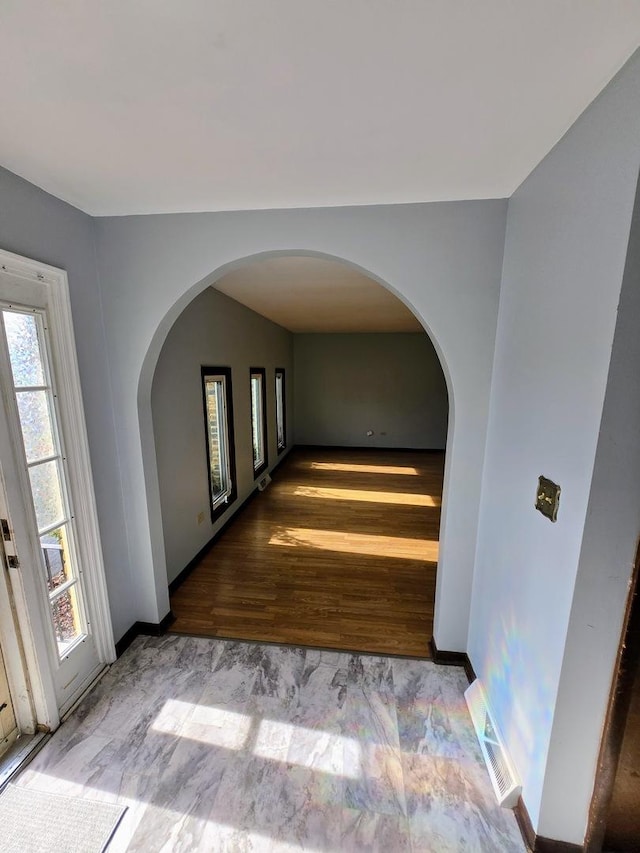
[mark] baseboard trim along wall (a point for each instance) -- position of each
(184, 574)
(548, 845)
(445, 658)
(524, 822)
(537, 843)
(369, 447)
(145, 629)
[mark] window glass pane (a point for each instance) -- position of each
(24, 349)
(256, 420)
(215, 422)
(66, 621)
(55, 550)
(280, 436)
(47, 494)
(29, 358)
(36, 424)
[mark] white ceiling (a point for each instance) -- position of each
(140, 106)
(314, 295)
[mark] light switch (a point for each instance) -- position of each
(548, 498)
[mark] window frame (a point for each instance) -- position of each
(221, 504)
(281, 446)
(260, 372)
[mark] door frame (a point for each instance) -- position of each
(627, 661)
(32, 632)
(12, 648)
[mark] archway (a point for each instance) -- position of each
(144, 392)
(362, 360)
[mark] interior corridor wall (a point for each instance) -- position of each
(213, 330)
(348, 384)
(567, 233)
(607, 557)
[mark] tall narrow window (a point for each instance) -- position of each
(45, 460)
(281, 418)
(218, 412)
(258, 419)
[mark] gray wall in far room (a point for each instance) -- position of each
(347, 384)
(213, 330)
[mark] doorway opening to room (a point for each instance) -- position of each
(301, 399)
(614, 823)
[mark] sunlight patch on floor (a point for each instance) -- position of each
(276, 741)
(213, 726)
(357, 543)
(356, 468)
(366, 495)
(316, 749)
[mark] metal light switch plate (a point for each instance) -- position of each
(548, 498)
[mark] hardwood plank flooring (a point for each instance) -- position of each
(339, 552)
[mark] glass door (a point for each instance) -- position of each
(24, 333)
(39, 501)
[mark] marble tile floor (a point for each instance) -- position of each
(229, 746)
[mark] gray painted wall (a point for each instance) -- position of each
(43, 228)
(567, 232)
(607, 556)
(347, 384)
(212, 330)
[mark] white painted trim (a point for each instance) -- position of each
(71, 409)
(79, 464)
(14, 662)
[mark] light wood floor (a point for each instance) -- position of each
(339, 552)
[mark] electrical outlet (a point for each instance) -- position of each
(200, 517)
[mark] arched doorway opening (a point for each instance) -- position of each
(358, 507)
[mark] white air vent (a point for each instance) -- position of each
(504, 780)
(264, 482)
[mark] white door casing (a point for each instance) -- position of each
(8, 726)
(26, 692)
